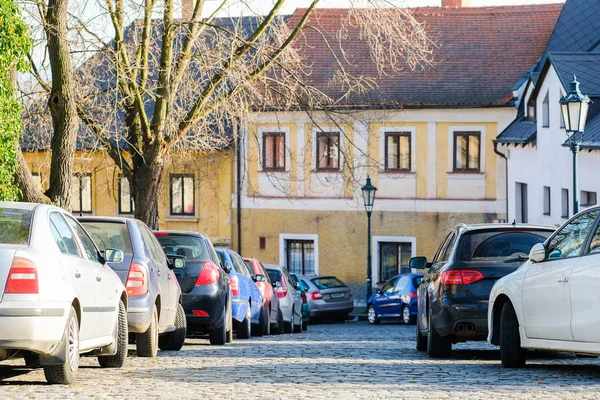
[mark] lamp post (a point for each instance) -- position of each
(574, 107)
(369, 197)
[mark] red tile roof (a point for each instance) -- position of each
(482, 54)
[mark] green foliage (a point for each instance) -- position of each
(15, 44)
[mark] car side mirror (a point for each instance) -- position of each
(113, 256)
(297, 286)
(260, 278)
(176, 262)
(538, 253)
(418, 262)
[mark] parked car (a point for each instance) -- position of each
(552, 301)
(304, 296)
(156, 317)
(59, 298)
(247, 304)
(270, 299)
(206, 292)
(290, 301)
(328, 298)
(396, 299)
(453, 295)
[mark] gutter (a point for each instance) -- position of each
(238, 190)
(503, 155)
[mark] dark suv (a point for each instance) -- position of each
(453, 294)
(154, 296)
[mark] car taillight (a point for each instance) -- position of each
(316, 295)
(22, 277)
(235, 286)
(282, 291)
(303, 297)
(137, 280)
(461, 277)
(412, 295)
(210, 273)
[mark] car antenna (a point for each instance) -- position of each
(514, 222)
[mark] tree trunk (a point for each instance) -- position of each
(30, 192)
(146, 183)
(62, 104)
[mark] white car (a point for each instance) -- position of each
(552, 301)
(58, 296)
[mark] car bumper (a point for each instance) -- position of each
(139, 313)
(320, 308)
(209, 299)
(457, 319)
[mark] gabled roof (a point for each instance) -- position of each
(520, 131)
(482, 52)
(585, 65)
(578, 27)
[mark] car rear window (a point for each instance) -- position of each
(506, 244)
(109, 235)
(249, 265)
(417, 281)
(328, 283)
(15, 225)
(192, 247)
(274, 274)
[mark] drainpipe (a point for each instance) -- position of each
(506, 161)
(238, 189)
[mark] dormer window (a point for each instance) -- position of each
(531, 110)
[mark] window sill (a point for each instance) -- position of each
(466, 175)
(330, 170)
(547, 214)
(397, 172)
(182, 218)
(274, 171)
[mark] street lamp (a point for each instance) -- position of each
(574, 107)
(369, 197)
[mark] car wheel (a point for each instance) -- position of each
(243, 329)
(118, 360)
(437, 346)
(146, 344)
(420, 339)
(298, 328)
(278, 330)
(229, 334)
(288, 327)
(65, 373)
(304, 324)
(512, 354)
(267, 325)
(372, 315)
(174, 340)
(407, 318)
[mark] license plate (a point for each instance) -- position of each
(337, 295)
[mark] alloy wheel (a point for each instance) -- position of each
(73, 345)
(371, 316)
(406, 314)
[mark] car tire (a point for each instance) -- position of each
(65, 373)
(304, 324)
(278, 330)
(420, 339)
(118, 360)
(229, 333)
(512, 354)
(372, 315)
(146, 344)
(407, 318)
(259, 329)
(243, 329)
(174, 341)
(437, 346)
(299, 328)
(288, 327)
(267, 322)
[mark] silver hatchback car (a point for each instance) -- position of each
(328, 297)
(58, 298)
(290, 301)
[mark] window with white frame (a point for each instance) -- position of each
(126, 205)
(273, 146)
(300, 256)
(328, 151)
(467, 151)
(394, 257)
(547, 201)
(588, 199)
(397, 151)
(81, 193)
(182, 194)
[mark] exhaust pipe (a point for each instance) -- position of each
(460, 327)
(470, 327)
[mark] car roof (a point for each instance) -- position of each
(183, 233)
(273, 266)
(19, 205)
(516, 227)
(120, 220)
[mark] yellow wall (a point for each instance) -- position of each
(213, 187)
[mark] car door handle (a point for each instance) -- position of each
(98, 278)
(565, 279)
(77, 275)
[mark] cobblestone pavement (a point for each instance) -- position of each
(351, 360)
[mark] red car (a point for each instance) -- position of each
(270, 299)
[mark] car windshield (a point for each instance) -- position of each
(109, 235)
(14, 225)
(503, 244)
(329, 282)
(192, 247)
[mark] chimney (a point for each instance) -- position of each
(187, 9)
(455, 3)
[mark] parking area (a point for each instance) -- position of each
(351, 360)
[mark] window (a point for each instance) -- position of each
(328, 151)
(397, 151)
(63, 236)
(449, 247)
(595, 242)
(182, 194)
(547, 201)
(239, 265)
(389, 286)
(588, 199)
(467, 151)
(91, 252)
(439, 254)
(274, 151)
(392, 257)
(498, 244)
(153, 248)
(37, 178)
(546, 111)
(300, 256)
(564, 203)
(531, 110)
(109, 235)
(521, 206)
(81, 193)
(126, 205)
(562, 120)
(569, 241)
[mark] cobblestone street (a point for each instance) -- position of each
(351, 360)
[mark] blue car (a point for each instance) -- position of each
(396, 299)
(247, 305)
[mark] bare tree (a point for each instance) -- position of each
(165, 85)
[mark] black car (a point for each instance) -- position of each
(153, 295)
(204, 284)
(453, 294)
